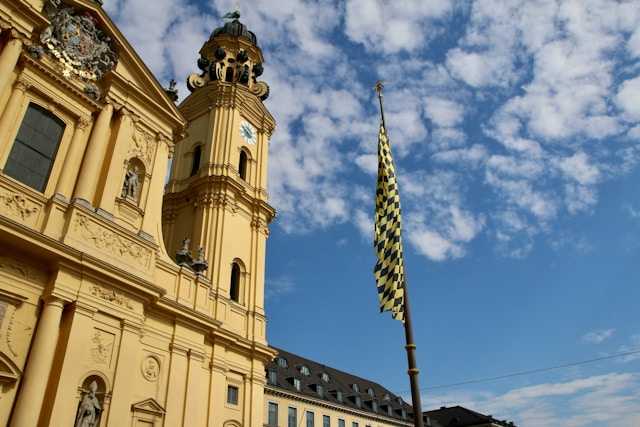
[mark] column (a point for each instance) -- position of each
(115, 161)
(62, 409)
(38, 368)
(8, 60)
(128, 362)
(74, 158)
(8, 120)
(96, 150)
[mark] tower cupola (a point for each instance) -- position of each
(231, 55)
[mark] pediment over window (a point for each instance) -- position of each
(148, 406)
(9, 372)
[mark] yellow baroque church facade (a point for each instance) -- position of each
(126, 298)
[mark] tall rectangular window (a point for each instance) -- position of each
(292, 419)
(232, 395)
(354, 424)
(341, 422)
(273, 377)
(273, 414)
(326, 421)
(310, 419)
(35, 148)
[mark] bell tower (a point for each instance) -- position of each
(215, 205)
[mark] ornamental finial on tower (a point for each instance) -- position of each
(231, 55)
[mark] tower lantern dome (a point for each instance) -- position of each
(231, 55)
(235, 28)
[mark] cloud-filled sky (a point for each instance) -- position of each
(515, 126)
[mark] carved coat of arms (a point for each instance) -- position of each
(78, 44)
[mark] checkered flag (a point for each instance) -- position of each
(389, 269)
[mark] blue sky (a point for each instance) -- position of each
(515, 126)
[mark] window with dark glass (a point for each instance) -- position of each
(358, 401)
(35, 148)
(195, 162)
(320, 390)
(339, 396)
(272, 376)
(354, 424)
(310, 419)
(273, 414)
(292, 419)
(341, 422)
(232, 395)
(234, 288)
(326, 421)
(242, 165)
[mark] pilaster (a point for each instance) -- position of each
(128, 360)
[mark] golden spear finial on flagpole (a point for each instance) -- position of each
(378, 88)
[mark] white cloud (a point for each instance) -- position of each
(393, 26)
(627, 98)
(601, 400)
(598, 336)
(443, 112)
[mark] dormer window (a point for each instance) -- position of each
(374, 406)
(399, 400)
(386, 397)
(403, 414)
(355, 388)
(339, 396)
(358, 401)
(282, 362)
(324, 377)
(272, 377)
(304, 370)
(370, 392)
(296, 384)
(320, 390)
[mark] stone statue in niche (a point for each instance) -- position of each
(89, 408)
(131, 186)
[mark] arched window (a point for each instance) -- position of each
(195, 162)
(242, 165)
(35, 148)
(234, 288)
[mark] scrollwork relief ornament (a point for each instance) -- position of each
(142, 146)
(111, 242)
(111, 296)
(16, 205)
(102, 345)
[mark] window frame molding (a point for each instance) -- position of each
(50, 98)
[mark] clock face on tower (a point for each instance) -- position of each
(247, 132)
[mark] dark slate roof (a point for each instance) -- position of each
(236, 28)
(338, 381)
(459, 417)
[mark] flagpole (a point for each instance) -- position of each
(410, 346)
